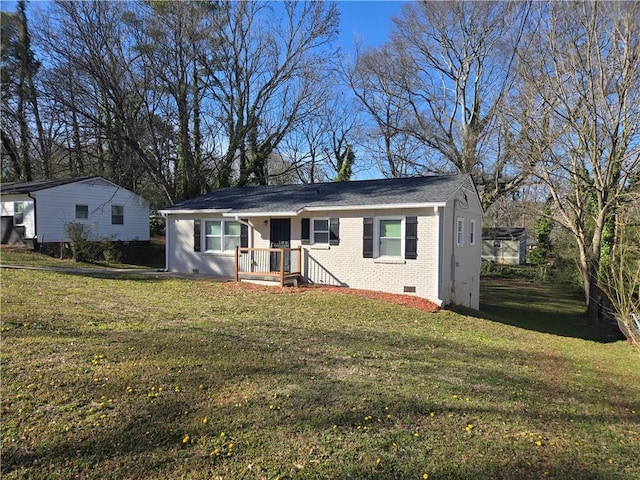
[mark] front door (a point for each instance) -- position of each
(280, 236)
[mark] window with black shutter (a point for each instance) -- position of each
(334, 231)
(196, 236)
(244, 234)
(304, 234)
(411, 238)
(367, 237)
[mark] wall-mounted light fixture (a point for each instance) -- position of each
(266, 222)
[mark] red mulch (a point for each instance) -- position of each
(396, 298)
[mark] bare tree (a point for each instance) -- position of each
(444, 79)
(321, 148)
(169, 38)
(581, 119)
(20, 109)
(261, 71)
(621, 273)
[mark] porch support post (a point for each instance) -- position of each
(282, 267)
(237, 266)
(300, 261)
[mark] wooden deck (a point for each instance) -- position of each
(283, 265)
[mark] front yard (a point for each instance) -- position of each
(148, 377)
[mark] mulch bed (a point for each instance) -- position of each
(395, 298)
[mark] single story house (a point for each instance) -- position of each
(411, 235)
(37, 212)
(505, 246)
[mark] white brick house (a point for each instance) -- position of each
(420, 236)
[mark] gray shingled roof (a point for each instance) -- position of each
(293, 198)
(16, 188)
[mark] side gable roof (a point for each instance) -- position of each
(292, 199)
(16, 188)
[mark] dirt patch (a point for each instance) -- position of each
(395, 298)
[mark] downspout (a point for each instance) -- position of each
(249, 238)
(36, 244)
(166, 242)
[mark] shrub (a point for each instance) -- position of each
(86, 249)
(79, 235)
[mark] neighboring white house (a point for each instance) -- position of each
(416, 235)
(505, 246)
(37, 212)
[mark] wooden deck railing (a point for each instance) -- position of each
(282, 264)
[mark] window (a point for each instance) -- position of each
(472, 232)
(82, 211)
(221, 235)
(18, 213)
(390, 237)
(460, 232)
(117, 215)
(231, 235)
(321, 230)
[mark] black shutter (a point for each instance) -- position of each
(196, 236)
(411, 238)
(334, 231)
(367, 238)
(304, 235)
(244, 234)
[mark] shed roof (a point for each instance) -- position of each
(290, 199)
(16, 188)
(503, 233)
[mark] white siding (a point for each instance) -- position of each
(56, 207)
(8, 202)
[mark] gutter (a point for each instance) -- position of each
(229, 212)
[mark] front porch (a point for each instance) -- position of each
(283, 265)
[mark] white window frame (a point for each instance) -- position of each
(472, 231)
(460, 232)
(15, 208)
(377, 238)
(85, 206)
(114, 216)
(223, 235)
(313, 231)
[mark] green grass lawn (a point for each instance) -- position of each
(148, 377)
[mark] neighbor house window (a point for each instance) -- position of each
(82, 212)
(117, 215)
(18, 213)
(472, 232)
(321, 230)
(221, 235)
(460, 232)
(390, 237)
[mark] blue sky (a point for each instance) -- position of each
(368, 20)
